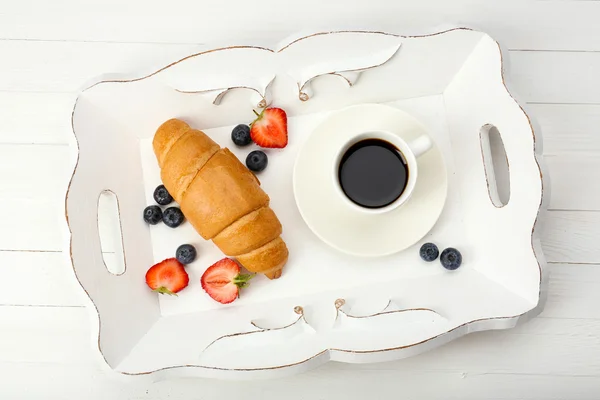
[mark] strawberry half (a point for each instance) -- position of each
(167, 277)
(223, 281)
(269, 129)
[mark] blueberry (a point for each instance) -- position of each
(186, 254)
(153, 215)
(173, 217)
(257, 161)
(429, 252)
(241, 135)
(451, 258)
(162, 196)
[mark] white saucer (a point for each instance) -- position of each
(337, 223)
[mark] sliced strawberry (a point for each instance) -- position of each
(223, 281)
(269, 129)
(167, 277)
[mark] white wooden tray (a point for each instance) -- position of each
(327, 305)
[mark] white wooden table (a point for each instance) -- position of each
(49, 49)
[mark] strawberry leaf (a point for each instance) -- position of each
(242, 280)
(164, 290)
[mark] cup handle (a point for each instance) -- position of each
(420, 145)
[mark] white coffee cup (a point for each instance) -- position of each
(409, 151)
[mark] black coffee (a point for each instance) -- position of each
(372, 173)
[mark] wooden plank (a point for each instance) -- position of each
(71, 382)
(59, 382)
(46, 334)
(556, 77)
(572, 237)
(140, 21)
(35, 224)
(67, 67)
(568, 128)
(355, 383)
(542, 346)
(572, 289)
(39, 279)
(32, 195)
(574, 182)
(36, 118)
(34, 173)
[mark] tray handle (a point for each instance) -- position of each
(110, 232)
(479, 104)
(109, 161)
(495, 163)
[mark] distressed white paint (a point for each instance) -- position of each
(452, 79)
(555, 357)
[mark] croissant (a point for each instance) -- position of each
(220, 197)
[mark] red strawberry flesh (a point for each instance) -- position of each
(269, 129)
(167, 277)
(223, 281)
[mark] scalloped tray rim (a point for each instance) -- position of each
(493, 323)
